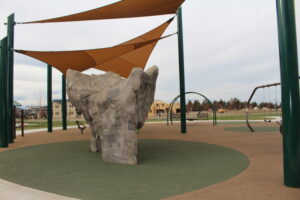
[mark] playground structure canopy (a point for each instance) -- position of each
(122, 9)
(120, 59)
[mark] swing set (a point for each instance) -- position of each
(266, 115)
(170, 113)
(267, 106)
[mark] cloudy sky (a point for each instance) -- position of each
(230, 46)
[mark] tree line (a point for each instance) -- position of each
(232, 104)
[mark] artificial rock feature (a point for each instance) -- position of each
(114, 108)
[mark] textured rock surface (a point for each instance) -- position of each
(114, 107)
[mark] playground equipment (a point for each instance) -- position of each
(122, 9)
(249, 101)
(170, 113)
(268, 86)
(113, 120)
(120, 59)
(288, 66)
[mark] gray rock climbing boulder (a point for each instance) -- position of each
(114, 108)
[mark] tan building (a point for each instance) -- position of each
(36, 112)
(157, 109)
(161, 108)
(72, 112)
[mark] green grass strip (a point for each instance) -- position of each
(256, 129)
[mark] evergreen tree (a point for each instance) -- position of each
(196, 106)
(205, 105)
(189, 106)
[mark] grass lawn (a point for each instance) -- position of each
(38, 124)
(241, 116)
(252, 116)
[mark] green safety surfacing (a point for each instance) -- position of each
(166, 168)
(255, 128)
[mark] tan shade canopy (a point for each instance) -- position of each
(120, 59)
(122, 9)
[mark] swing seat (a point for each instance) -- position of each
(281, 129)
(280, 126)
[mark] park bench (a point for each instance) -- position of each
(202, 115)
(197, 116)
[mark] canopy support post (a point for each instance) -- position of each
(3, 94)
(181, 72)
(10, 68)
(64, 104)
(290, 91)
(49, 98)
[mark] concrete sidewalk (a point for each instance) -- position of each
(11, 191)
(41, 130)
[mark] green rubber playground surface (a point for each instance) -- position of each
(258, 129)
(166, 168)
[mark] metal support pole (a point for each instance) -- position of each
(290, 91)
(181, 72)
(22, 123)
(3, 94)
(7, 82)
(10, 87)
(14, 123)
(64, 104)
(49, 98)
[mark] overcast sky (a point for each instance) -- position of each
(230, 46)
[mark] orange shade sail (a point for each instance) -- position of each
(122, 9)
(120, 59)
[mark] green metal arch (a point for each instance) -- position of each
(177, 97)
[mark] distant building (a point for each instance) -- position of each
(36, 112)
(160, 108)
(72, 112)
(157, 109)
(17, 104)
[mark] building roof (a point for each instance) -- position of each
(17, 103)
(59, 101)
(158, 101)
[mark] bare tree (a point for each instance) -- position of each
(39, 99)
